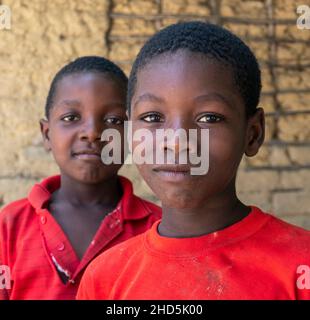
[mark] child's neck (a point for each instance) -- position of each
(106, 193)
(213, 216)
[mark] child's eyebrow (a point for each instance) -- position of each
(148, 97)
(213, 96)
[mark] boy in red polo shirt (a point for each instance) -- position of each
(48, 238)
(208, 245)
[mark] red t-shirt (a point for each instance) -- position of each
(36, 252)
(255, 258)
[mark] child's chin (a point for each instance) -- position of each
(183, 201)
(92, 178)
(89, 181)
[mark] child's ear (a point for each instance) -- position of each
(44, 126)
(255, 133)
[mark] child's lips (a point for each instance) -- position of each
(174, 173)
(92, 155)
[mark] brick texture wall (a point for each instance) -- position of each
(47, 34)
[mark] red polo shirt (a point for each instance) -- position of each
(38, 252)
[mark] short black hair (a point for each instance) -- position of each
(213, 41)
(84, 65)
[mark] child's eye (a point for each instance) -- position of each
(210, 118)
(152, 117)
(70, 118)
(114, 120)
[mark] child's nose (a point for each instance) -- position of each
(180, 141)
(179, 122)
(91, 131)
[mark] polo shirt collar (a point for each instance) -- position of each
(41, 192)
(131, 206)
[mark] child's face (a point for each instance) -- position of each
(84, 105)
(188, 91)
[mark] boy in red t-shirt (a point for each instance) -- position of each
(48, 239)
(208, 245)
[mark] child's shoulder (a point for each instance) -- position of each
(125, 249)
(14, 209)
(283, 236)
(16, 217)
(114, 258)
(109, 266)
(25, 208)
(286, 230)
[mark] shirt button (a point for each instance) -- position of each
(43, 219)
(61, 247)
